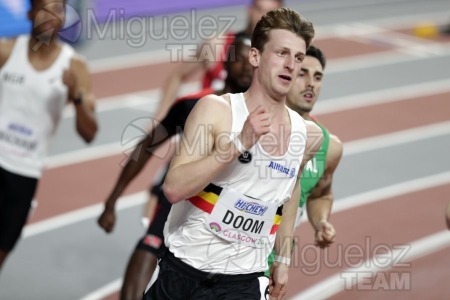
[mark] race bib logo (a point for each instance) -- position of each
(250, 207)
(215, 227)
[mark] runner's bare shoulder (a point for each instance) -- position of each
(6, 47)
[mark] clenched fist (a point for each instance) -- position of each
(325, 234)
(257, 124)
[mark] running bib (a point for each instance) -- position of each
(241, 219)
(17, 139)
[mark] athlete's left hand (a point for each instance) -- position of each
(325, 234)
(278, 281)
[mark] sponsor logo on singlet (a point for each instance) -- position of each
(282, 169)
(250, 207)
(13, 78)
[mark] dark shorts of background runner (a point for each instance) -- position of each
(178, 280)
(16, 194)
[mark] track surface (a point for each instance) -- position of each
(386, 95)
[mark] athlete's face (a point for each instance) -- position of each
(278, 65)
(306, 89)
(239, 68)
(47, 17)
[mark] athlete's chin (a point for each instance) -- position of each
(306, 108)
(282, 90)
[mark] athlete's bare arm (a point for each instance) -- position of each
(79, 83)
(6, 47)
(185, 69)
(138, 159)
(285, 233)
(205, 148)
(320, 201)
(283, 246)
(203, 152)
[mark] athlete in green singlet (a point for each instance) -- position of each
(316, 179)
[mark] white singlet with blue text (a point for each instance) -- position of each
(259, 176)
(31, 103)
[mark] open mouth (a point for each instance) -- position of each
(309, 96)
(286, 78)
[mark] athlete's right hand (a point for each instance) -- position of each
(107, 219)
(257, 124)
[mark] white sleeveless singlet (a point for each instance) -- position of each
(31, 104)
(189, 232)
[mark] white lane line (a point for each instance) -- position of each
(389, 192)
(150, 98)
(396, 138)
(367, 27)
(105, 290)
(359, 146)
(395, 56)
(101, 152)
(151, 57)
(126, 61)
(350, 148)
(323, 32)
(86, 154)
(90, 212)
(340, 282)
(403, 93)
(338, 206)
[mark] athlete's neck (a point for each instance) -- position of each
(304, 114)
(256, 96)
(42, 47)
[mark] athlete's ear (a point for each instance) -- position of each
(254, 57)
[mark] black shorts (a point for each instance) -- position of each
(16, 194)
(177, 280)
(153, 240)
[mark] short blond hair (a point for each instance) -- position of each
(282, 18)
